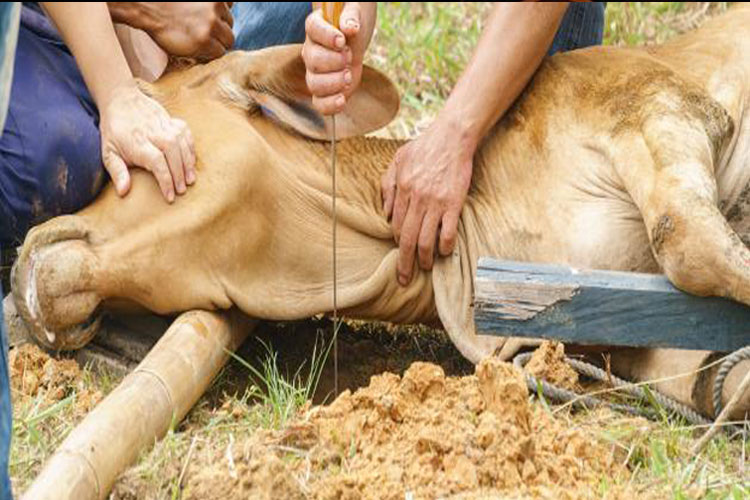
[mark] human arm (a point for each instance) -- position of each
(334, 58)
(191, 29)
(135, 129)
(426, 185)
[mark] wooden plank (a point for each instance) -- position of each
(602, 307)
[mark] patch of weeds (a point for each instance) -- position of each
(281, 396)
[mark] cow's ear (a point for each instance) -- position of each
(275, 80)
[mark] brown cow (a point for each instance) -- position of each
(613, 158)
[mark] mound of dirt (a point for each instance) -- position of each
(424, 435)
(548, 363)
(34, 373)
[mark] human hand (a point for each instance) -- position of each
(423, 191)
(137, 131)
(192, 29)
(333, 57)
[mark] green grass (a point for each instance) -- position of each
(423, 47)
(282, 395)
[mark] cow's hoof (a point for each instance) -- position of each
(52, 283)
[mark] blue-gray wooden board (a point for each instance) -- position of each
(547, 301)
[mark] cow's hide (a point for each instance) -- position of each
(612, 158)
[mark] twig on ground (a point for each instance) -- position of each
(187, 462)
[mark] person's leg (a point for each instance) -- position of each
(6, 414)
(9, 20)
(263, 24)
(582, 26)
(50, 153)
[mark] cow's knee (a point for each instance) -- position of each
(54, 284)
(699, 251)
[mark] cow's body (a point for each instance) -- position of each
(612, 159)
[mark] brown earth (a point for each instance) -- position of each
(34, 373)
(423, 435)
(548, 363)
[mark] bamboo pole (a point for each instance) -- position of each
(159, 391)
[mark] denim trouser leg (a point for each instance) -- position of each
(263, 24)
(581, 26)
(50, 151)
(9, 20)
(5, 409)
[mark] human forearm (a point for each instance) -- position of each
(135, 129)
(95, 48)
(510, 50)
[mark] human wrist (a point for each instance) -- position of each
(116, 91)
(462, 130)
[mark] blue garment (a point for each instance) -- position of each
(263, 24)
(581, 26)
(9, 19)
(50, 152)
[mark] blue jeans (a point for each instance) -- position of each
(262, 24)
(9, 19)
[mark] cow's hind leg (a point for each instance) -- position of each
(53, 284)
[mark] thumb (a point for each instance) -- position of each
(349, 23)
(118, 171)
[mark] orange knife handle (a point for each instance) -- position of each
(332, 12)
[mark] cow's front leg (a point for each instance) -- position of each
(669, 171)
(54, 284)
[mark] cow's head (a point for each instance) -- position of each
(271, 81)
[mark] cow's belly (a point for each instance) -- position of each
(561, 223)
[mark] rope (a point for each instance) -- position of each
(726, 366)
(559, 394)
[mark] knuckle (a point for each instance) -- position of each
(203, 33)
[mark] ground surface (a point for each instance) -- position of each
(416, 429)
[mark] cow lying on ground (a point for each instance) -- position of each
(625, 159)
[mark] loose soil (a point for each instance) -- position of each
(423, 435)
(34, 374)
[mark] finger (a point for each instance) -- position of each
(319, 59)
(185, 141)
(152, 159)
(329, 105)
(225, 13)
(349, 21)
(400, 206)
(118, 171)
(408, 243)
(388, 190)
(188, 160)
(169, 145)
(322, 33)
(326, 84)
(222, 31)
(448, 232)
(214, 50)
(428, 239)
